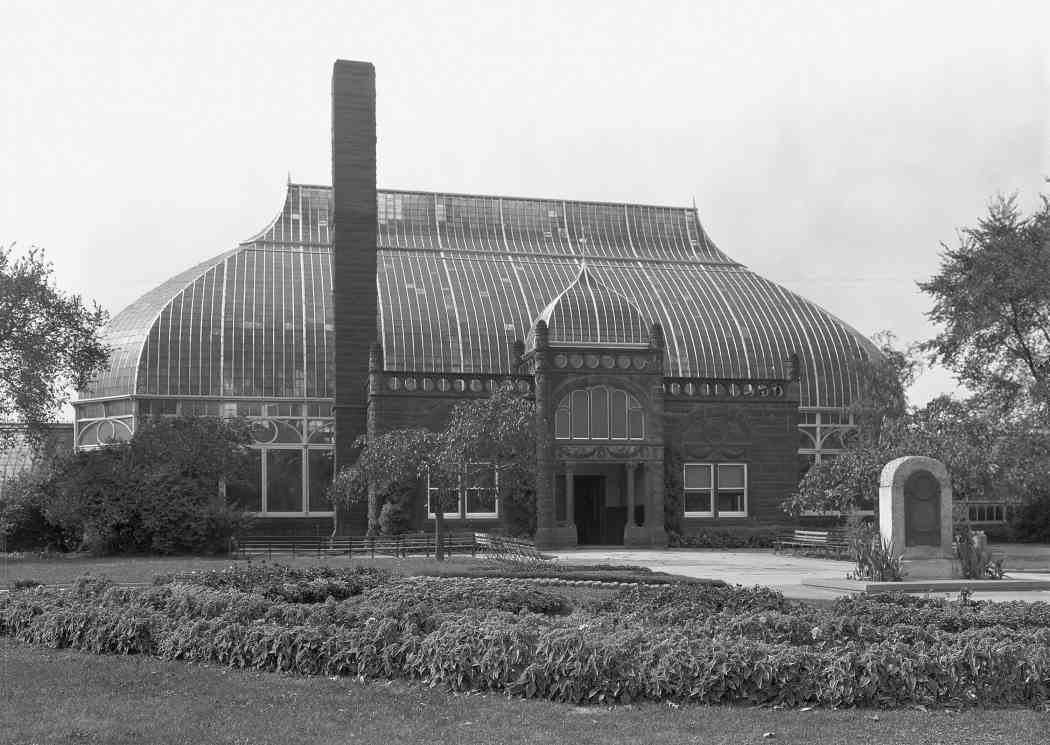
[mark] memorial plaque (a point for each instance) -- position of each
(922, 510)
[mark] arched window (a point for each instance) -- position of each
(599, 413)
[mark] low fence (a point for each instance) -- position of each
(462, 543)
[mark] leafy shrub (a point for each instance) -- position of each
(725, 538)
(1031, 521)
(705, 644)
(876, 559)
(157, 493)
(26, 584)
(23, 525)
(289, 584)
(446, 595)
(975, 558)
(396, 516)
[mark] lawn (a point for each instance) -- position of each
(62, 696)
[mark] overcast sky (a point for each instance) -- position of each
(830, 150)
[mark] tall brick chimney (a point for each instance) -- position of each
(353, 250)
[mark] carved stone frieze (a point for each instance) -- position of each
(613, 452)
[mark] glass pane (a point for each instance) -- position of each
(618, 415)
(580, 415)
(635, 427)
(248, 493)
(319, 477)
(698, 501)
(731, 476)
(599, 413)
(284, 480)
(561, 423)
(480, 484)
(697, 476)
(730, 501)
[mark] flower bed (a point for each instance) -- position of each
(701, 643)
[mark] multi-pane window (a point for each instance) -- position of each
(715, 489)
(474, 494)
(599, 413)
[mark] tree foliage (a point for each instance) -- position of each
(49, 341)
(992, 297)
(987, 457)
(157, 493)
(498, 429)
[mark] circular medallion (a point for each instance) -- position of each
(591, 360)
(393, 383)
(428, 384)
(608, 361)
(640, 363)
(106, 432)
(623, 361)
(263, 430)
(778, 390)
(491, 385)
(476, 385)
(410, 384)
(676, 389)
(576, 360)
(560, 360)
(443, 384)
(459, 384)
(689, 389)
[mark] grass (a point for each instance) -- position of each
(61, 696)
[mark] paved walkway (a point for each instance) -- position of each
(784, 572)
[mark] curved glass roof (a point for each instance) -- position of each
(459, 278)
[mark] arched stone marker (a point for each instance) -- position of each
(915, 514)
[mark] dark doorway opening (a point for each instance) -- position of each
(596, 524)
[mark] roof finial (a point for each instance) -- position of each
(289, 178)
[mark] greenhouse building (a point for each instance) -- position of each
(647, 349)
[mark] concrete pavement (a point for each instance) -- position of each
(784, 572)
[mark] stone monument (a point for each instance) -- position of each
(915, 515)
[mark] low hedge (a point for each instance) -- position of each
(706, 644)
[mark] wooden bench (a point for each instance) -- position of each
(832, 539)
(509, 549)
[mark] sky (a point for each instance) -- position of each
(834, 148)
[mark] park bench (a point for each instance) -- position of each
(508, 549)
(829, 540)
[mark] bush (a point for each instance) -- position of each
(726, 538)
(396, 516)
(1031, 521)
(975, 558)
(23, 525)
(158, 493)
(876, 559)
(705, 644)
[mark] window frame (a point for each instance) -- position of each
(462, 512)
(715, 490)
(566, 410)
(710, 491)
(734, 490)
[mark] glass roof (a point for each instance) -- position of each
(459, 279)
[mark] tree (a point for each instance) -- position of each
(987, 457)
(992, 296)
(499, 429)
(49, 341)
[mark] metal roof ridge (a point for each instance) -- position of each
(427, 192)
